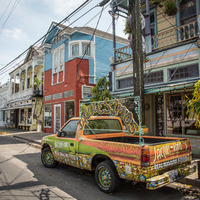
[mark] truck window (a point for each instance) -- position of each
(101, 126)
(69, 130)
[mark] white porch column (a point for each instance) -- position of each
(25, 79)
(20, 80)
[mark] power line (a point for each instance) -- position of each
(90, 41)
(12, 9)
(71, 14)
(5, 10)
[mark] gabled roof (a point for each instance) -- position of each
(56, 28)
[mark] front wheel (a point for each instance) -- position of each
(47, 158)
(106, 177)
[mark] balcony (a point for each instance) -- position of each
(165, 39)
(21, 94)
(175, 36)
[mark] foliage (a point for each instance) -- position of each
(193, 105)
(37, 83)
(169, 6)
(100, 91)
(127, 29)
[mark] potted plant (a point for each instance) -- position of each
(169, 6)
(36, 84)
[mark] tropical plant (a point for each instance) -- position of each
(169, 6)
(193, 105)
(100, 91)
(37, 83)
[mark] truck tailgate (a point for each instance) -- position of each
(169, 155)
(169, 162)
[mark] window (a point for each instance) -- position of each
(183, 72)
(86, 49)
(69, 110)
(28, 82)
(101, 126)
(80, 48)
(29, 118)
(69, 130)
(47, 115)
(58, 59)
(125, 83)
(187, 11)
(75, 50)
(22, 116)
(23, 84)
(178, 121)
(154, 77)
(4, 115)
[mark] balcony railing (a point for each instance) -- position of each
(165, 39)
(21, 94)
(175, 35)
(123, 53)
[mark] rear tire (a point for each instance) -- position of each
(47, 158)
(106, 177)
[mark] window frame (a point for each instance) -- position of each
(61, 133)
(58, 55)
(171, 71)
(48, 116)
(150, 76)
(80, 44)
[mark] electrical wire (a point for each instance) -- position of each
(5, 10)
(89, 42)
(54, 35)
(43, 37)
(11, 11)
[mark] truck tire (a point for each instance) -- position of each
(47, 158)
(106, 177)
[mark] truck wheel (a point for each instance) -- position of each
(106, 177)
(47, 158)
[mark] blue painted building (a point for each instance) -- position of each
(171, 68)
(75, 58)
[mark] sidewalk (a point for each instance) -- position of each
(191, 183)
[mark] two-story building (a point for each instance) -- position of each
(25, 102)
(171, 68)
(4, 98)
(75, 58)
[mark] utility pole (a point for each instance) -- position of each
(138, 73)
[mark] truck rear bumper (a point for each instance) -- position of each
(170, 176)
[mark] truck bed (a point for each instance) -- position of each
(147, 140)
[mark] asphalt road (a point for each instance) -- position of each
(22, 176)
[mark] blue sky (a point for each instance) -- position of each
(30, 20)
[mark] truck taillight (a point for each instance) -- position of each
(145, 158)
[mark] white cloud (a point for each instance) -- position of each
(14, 33)
(63, 7)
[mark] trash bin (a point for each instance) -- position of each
(39, 125)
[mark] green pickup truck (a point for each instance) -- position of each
(103, 145)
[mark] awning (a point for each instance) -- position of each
(169, 87)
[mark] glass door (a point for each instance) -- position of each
(57, 118)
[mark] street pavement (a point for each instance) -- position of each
(188, 184)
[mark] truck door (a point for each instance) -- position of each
(69, 145)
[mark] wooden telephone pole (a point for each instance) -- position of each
(138, 72)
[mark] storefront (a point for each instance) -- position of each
(171, 117)
(25, 113)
